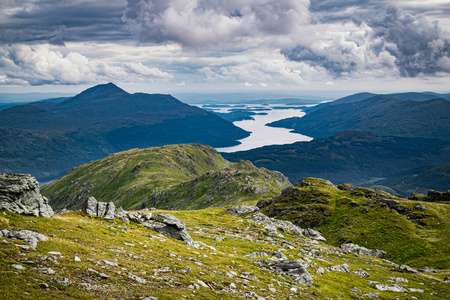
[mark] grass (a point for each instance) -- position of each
(94, 240)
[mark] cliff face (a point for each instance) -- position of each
(19, 193)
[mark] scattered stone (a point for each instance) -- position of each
(339, 268)
(393, 288)
(314, 234)
(77, 258)
(251, 295)
(20, 194)
(203, 284)
(356, 290)
(63, 281)
(257, 254)
(320, 270)
(25, 235)
(361, 273)
(412, 290)
(427, 270)
(362, 250)
(18, 267)
(447, 279)
(232, 286)
(242, 210)
(43, 285)
(419, 206)
(288, 226)
(137, 278)
(296, 269)
(54, 253)
(408, 269)
(170, 226)
(399, 279)
(103, 276)
(346, 187)
(121, 215)
(372, 295)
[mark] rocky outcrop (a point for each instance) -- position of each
(165, 224)
(170, 226)
(100, 209)
(31, 237)
(314, 234)
(242, 210)
(362, 250)
(296, 269)
(19, 193)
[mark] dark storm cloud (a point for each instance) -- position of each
(198, 23)
(419, 47)
(56, 21)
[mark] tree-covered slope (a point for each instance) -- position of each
(360, 158)
(175, 176)
(381, 115)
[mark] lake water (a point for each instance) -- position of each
(262, 135)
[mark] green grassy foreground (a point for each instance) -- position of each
(162, 262)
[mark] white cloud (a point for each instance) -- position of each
(39, 64)
(263, 84)
(248, 84)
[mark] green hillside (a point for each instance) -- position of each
(174, 176)
(411, 232)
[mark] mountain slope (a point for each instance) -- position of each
(356, 157)
(102, 120)
(411, 232)
(382, 115)
(174, 176)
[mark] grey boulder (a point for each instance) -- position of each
(362, 250)
(170, 226)
(20, 194)
(313, 234)
(29, 236)
(242, 210)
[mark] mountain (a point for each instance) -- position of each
(101, 120)
(363, 96)
(360, 158)
(189, 176)
(381, 115)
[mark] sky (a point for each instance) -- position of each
(225, 45)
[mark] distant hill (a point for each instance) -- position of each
(381, 115)
(363, 96)
(42, 138)
(419, 180)
(360, 158)
(191, 176)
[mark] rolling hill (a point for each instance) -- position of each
(191, 176)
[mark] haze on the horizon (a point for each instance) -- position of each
(175, 46)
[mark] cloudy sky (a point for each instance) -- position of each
(225, 45)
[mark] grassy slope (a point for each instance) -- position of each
(421, 242)
(94, 239)
(130, 178)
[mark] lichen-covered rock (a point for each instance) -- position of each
(393, 288)
(20, 194)
(110, 211)
(361, 273)
(287, 226)
(170, 226)
(29, 236)
(101, 208)
(242, 210)
(296, 269)
(90, 206)
(362, 250)
(314, 234)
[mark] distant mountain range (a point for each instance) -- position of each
(380, 114)
(360, 158)
(48, 138)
